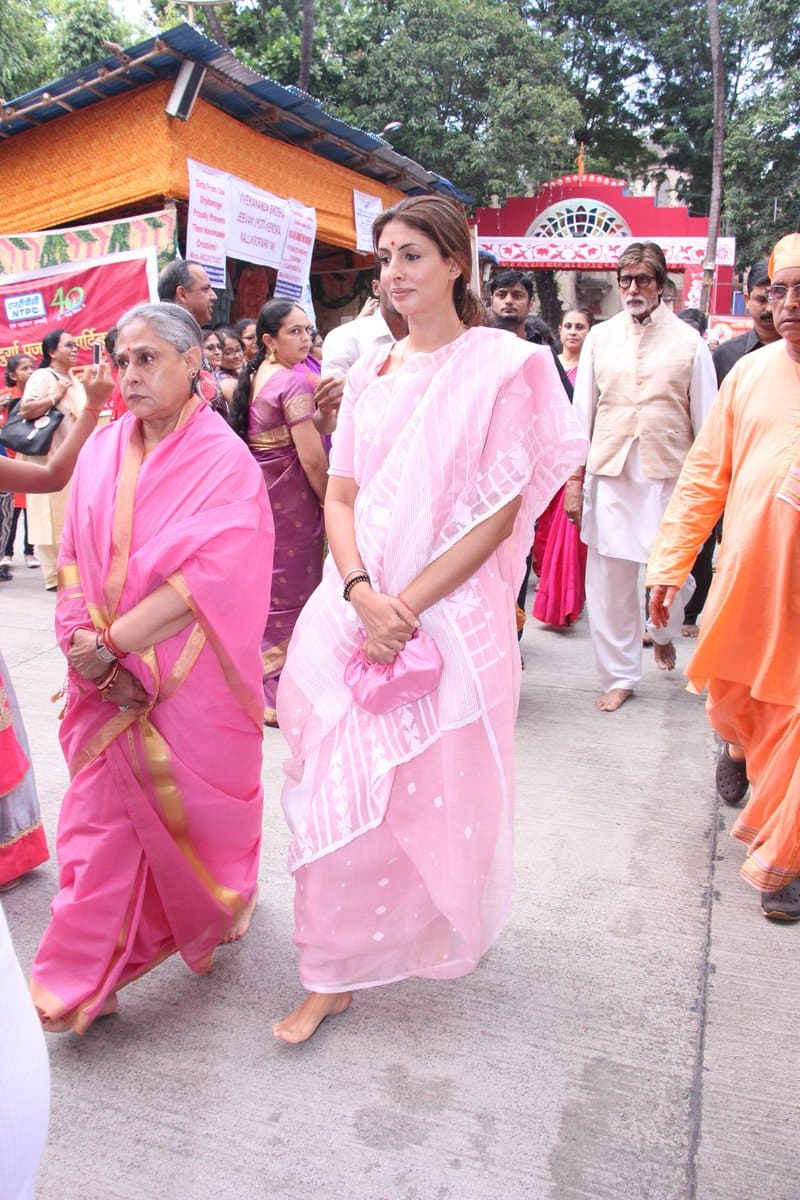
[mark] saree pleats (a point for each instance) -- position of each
(769, 824)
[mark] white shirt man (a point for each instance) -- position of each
(645, 384)
(346, 343)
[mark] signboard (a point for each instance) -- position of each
(257, 224)
(207, 220)
(365, 209)
(86, 299)
(295, 265)
(720, 329)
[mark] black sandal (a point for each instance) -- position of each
(783, 905)
(731, 777)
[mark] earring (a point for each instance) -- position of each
(193, 374)
(272, 357)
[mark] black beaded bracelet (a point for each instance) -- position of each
(351, 583)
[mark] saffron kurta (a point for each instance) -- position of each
(160, 828)
(746, 461)
(401, 824)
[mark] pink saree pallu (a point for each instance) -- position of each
(401, 823)
(159, 832)
(559, 559)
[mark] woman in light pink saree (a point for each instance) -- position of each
(159, 831)
(448, 445)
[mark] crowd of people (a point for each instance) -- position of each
(466, 436)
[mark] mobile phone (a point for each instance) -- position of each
(96, 354)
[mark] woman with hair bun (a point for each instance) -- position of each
(449, 443)
(273, 411)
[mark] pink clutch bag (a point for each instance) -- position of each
(381, 687)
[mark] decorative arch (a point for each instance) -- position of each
(579, 218)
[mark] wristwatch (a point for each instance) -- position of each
(103, 653)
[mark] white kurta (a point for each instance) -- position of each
(622, 513)
(621, 516)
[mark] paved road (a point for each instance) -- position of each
(632, 1036)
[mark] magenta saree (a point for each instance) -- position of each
(286, 399)
(559, 559)
(402, 823)
(159, 833)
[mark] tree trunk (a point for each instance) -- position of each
(717, 154)
(306, 45)
(549, 303)
(214, 25)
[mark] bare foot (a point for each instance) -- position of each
(612, 700)
(665, 656)
(12, 883)
(690, 630)
(299, 1025)
(242, 923)
(736, 752)
(60, 1025)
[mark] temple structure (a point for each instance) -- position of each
(577, 225)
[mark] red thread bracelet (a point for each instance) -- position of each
(408, 606)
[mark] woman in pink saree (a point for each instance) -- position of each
(274, 412)
(448, 445)
(159, 831)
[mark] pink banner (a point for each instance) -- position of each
(86, 300)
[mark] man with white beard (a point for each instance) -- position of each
(645, 384)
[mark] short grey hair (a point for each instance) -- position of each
(170, 322)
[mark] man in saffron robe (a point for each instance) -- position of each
(746, 461)
(160, 829)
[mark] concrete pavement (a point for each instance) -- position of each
(630, 1037)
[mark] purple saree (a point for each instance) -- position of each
(286, 399)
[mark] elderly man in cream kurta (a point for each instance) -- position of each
(644, 386)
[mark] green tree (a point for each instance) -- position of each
(762, 169)
(80, 26)
(603, 43)
(480, 93)
(27, 59)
